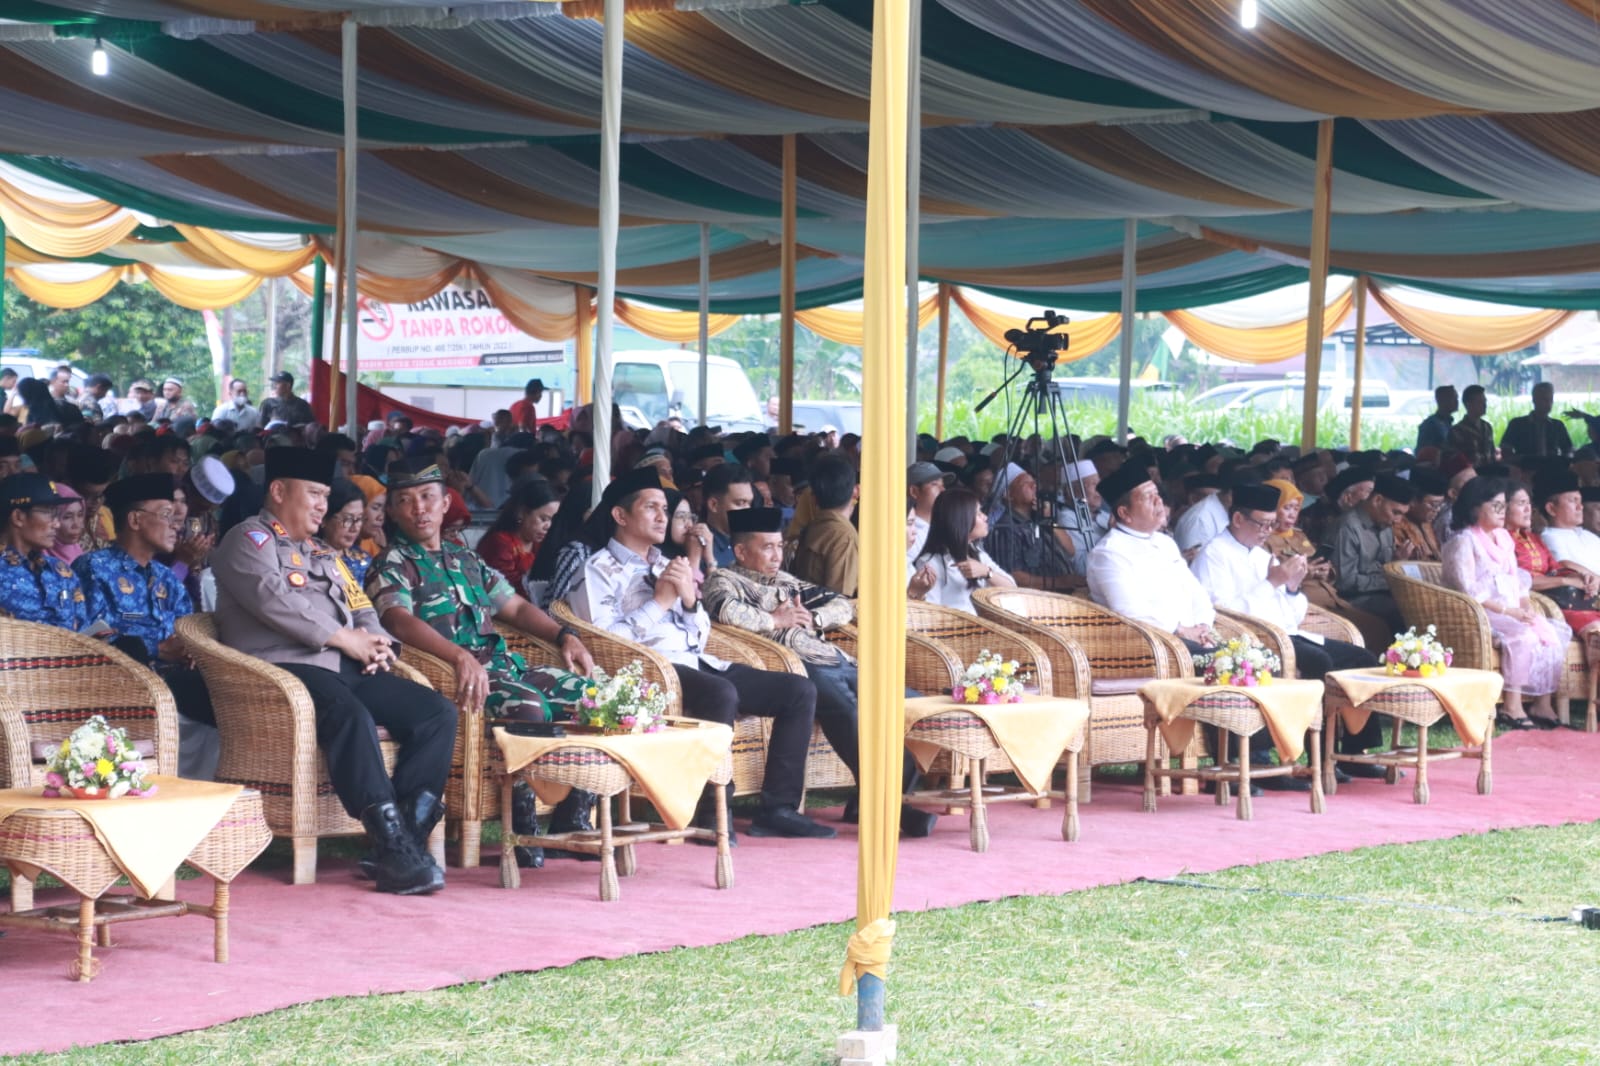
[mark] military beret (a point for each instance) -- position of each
(415, 473)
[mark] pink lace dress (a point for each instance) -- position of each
(1485, 568)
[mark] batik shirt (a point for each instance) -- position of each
(457, 594)
(37, 588)
(138, 601)
(358, 562)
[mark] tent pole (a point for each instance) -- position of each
(1316, 301)
(336, 351)
(883, 465)
(786, 283)
(347, 263)
(583, 346)
(270, 344)
(1130, 282)
(2, 282)
(610, 190)
(913, 220)
(1361, 361)
(944, 353)
(705, 317)
(319, 319)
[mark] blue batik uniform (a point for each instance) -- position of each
(37, 588)
(358, 563)
(136, 601)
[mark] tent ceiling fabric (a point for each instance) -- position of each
(1465, 149)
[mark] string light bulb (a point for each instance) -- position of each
(1248, 14)
(100, 62)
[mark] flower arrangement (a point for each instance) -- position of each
(623, 702)
(96, 762)
(1241, 662)
(990, 679)
(1416, 654)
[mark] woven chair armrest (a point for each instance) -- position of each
(1461, 621)
(440, 675)
(1327, 624)
(612, 653)
(769, 653)
(16, 760)
(1180, 663)
(846, 637)
(929, 667)
(1113, 645)
(537, 652)
(1274, 638)
(250, 695)
(410, 673)
(1544, 605)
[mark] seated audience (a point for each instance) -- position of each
(829, 551)
(341, 526)
(727, 488)
(953, 562)
(512, 542)
(1035, 558)
(34, 587)
(1414, 536)
(1572, 586)
(1363, 544)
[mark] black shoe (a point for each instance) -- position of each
(399, 866)
(1370, 771)
(421, 812)
(525, 822)
(1209, 788)
(851, 815)
(1505, 721)
(1285, 784)
(915, 823)
(572, 816)
(1541, 722)
(787, 822)
(1341, 776)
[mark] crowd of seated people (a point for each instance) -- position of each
(356, 540)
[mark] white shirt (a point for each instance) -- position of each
(1201, 523)
(246, 419)
(1142, 576)
(617, 593)
(952, 589)
(1235, 577)
(920, 525)
(1574, 545)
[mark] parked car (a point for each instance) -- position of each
(812, 415)
(1105, 390)
(663, 384)
(1286, 394)
(29, 363)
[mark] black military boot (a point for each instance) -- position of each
(422, 812)
(398, 865)
(524, 821)
(572, 816)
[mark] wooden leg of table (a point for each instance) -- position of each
(220, 892)
(510, 876)
(103, 935)
(1245, 811)
(84, 970)
(1330, 737)
(305, 860)
(724, 852)
(1485, 775)
(609, 890)
(1150, 769)
(1315, 758)
(1219, 762)
(1085, 775)
(472, 841)
(1069, 821)
(21, 893)
(980, 816)
(627, 859)
(1419, 791)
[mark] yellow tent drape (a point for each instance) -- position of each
(67, 294)
(1089, 335)
(679, 327)
(66, 242)
(583, 315)
(547, 325)
(1360, 289)
(217, 249)
(943, 298)
(1472, 334)
(1263, 344)
(883, 484)
(203, 294)
(847, 327)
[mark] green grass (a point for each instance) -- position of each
(1426, 958)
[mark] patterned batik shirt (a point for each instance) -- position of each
(139, 601)
(37, 588)
(744, 598)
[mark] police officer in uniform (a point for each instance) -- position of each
(139, 598)
(33, 586)
(284, 596)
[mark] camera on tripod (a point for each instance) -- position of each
(1038, 345)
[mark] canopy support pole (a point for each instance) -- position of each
(347, 258)
(336, 350)
(610, 190)
(2, 283)
(786, 283)
(583, 346)
(1361, 362)
(319, 320)
(944, 354)
(883, 465)
(1130, 282)
(913, 221)
(270, 344)
(705, 317)
(1317, 299)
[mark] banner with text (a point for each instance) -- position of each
(457, 328)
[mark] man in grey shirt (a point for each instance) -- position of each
(1363, 543)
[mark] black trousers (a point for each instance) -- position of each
(351, 706)
(189, 692)
(788, 699)
(838, 713)
(1313, 661)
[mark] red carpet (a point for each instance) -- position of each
(292, 945)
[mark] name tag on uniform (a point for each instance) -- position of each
(297, 579)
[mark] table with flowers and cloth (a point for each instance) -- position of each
(89, 845)
(1467, 696)
(1287, 709)
(670, 767)
(1033, 734)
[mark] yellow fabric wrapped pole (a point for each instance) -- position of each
(786, 283)
(584, 348)
(944, 354)
(1319, 282)
(883, 529)
(1360, 289)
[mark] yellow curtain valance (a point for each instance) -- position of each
(846, 327)
(216, 249)
(197, 294)
(679, 327)
(1089, 335)
(67, 295)
(1262, 344)
(1472, 334)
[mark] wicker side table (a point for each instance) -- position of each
(593, 770)
(62, 844)
(1405, 701)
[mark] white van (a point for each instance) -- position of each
(666, 383)
(28, 363)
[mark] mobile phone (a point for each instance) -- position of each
(534, 729)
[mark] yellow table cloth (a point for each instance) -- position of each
(1468, 697)
(1288, 707)
(147, 837)
(1033, 733)
(671, 766)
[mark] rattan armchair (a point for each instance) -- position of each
(1463, 626)
(268, 729)
(1098, 656)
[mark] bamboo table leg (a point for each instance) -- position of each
(1419, 791)
(1246, 810)
(1315, 759)
(1485, 775)
(724, 854)
(510, 876)
(220, 893)
(1069, 820)
(609, 890)
(980, 816)
(1150, 767)
(85, 964)
(1331, 724)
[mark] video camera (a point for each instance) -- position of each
(1038, 344)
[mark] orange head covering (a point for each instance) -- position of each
(1286, 491)
(370, 487)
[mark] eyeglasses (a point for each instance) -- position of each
(686, 516)
(1265, 525)
(1497, 506)
(349, 521)
(166, 518)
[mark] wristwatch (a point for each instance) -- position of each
(567, 631)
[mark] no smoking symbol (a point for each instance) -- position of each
(375, 318)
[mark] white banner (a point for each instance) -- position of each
(457, 328)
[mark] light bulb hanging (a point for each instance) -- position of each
(100, 62)
(1248, 14)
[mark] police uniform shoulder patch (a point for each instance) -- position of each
(258, 537)
(297, 579)
(295, 559)
(277, 527)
